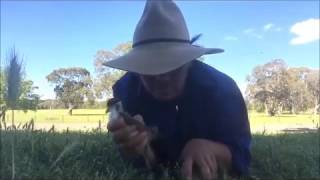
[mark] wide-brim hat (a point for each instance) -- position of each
(161, 42)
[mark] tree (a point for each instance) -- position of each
(312, 83)
(106, 76)
(28, 99)
(13, 75)
(23, 96)
(50, 104)
(3, 87)
(72, 85)
(3, 94)
(277, 88)
(298, 100)
(268, 85)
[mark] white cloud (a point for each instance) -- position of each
(278, 29)
(248, 31)
(257, 36)
(252, 32)
(268, 27)
(306, 31)
(271, 27)
(231, 38)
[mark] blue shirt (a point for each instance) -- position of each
(211, 107)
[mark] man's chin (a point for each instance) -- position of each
(164, 98)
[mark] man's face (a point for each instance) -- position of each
(167, 86)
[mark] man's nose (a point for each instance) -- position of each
(162, 77)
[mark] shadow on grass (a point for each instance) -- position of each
(92, 155)
(293, 155)
(88, 115)
(300, 130)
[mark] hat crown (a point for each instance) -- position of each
(161, 19)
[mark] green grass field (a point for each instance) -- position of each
(90, 117)
(40, 154)
(59, 116)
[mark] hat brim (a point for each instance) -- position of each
(159, 58)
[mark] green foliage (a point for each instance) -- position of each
(50, 104)
(13, 79)
(313, 86)
(276, 88)
(299, 97)
(14, 86)
(28, 99)
(92, 155)
(72, 85)
(286, 156)
(3, 87)
(106, 76)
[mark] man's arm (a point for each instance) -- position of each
(232, 127)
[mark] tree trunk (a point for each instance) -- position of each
(266, 108)
(70, 109)
(3, 115)
(12, 118)
(293, 110)
(280, 109)
(316, 108)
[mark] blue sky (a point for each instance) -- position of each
(51, 34)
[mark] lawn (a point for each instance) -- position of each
(90, 153)
(87, 119)
(79, 155)
(59, 116)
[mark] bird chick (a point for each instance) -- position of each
(116, 110)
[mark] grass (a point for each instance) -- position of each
(259, 122)
(79, 155)
(91, 154)
(59, 116)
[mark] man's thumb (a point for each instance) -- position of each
(139, 118)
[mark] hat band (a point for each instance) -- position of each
(150, 41)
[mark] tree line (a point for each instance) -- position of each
(273, 87)
(17, 91)
(74, 87)
(276, 88)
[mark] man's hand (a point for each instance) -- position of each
(130, 140)
(206, 155)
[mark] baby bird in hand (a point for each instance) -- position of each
(116, 111)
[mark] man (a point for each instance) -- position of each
(199, 112)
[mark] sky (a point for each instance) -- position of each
(55, 34)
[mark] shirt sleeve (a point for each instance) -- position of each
(231, 126)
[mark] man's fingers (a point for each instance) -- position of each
(204, 169)
(122, 135)
(141, 147)
(116, 124)
(187, 168)
(135, 141)
(139, 118)
(213, 166)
